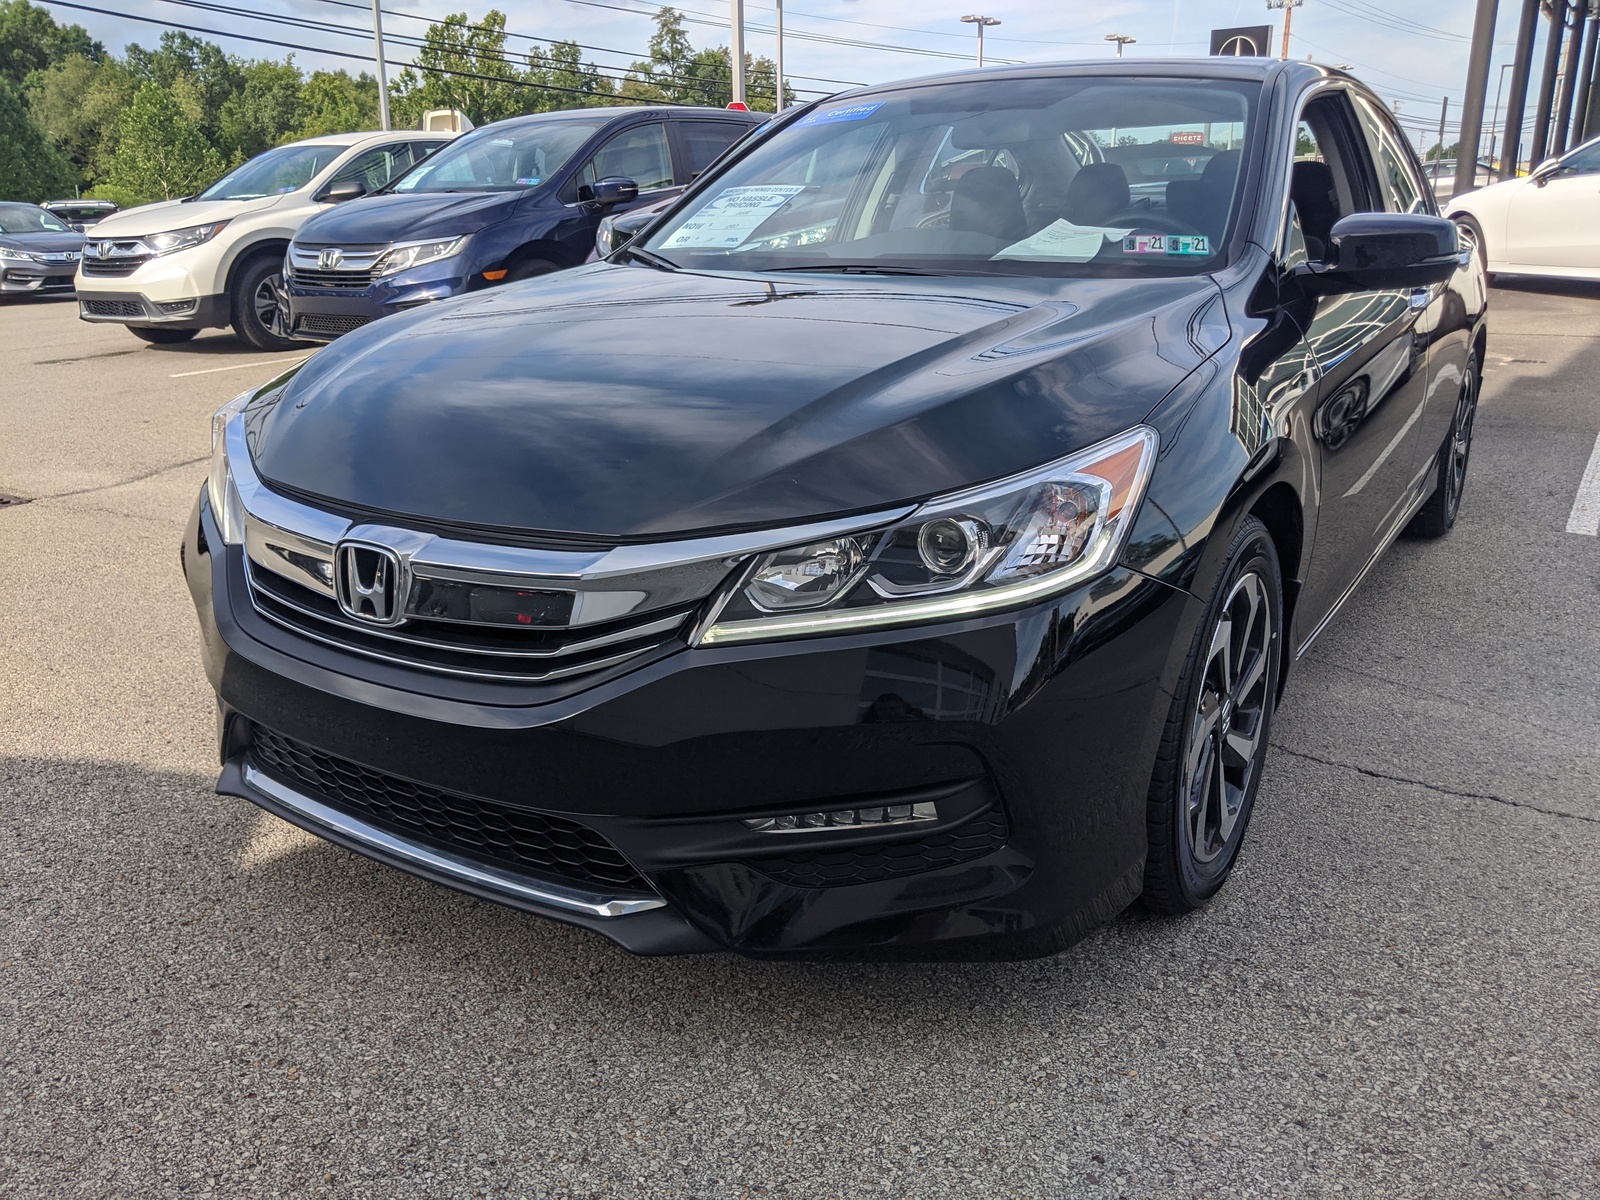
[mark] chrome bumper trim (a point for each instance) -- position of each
(571, 899)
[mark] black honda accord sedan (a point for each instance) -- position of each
(897, 550)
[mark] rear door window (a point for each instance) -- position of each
(704, 141)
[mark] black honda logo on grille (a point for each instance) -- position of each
(370, 583)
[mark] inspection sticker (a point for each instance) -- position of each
(1166, 243)
(829, 116)
(733, 216)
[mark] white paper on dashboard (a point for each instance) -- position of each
(733, 216)
(1064, 240)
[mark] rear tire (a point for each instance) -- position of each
(156, 335)
(1438, 514)
(1215, 741)
(259, 307)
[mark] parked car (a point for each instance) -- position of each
(169, 270)
(1442, 176)
(1545, 223)
(507, 201)
(38, 251)
(861, 561)
(80, 214)
(617, 230)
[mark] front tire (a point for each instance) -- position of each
(1474, 231)
(260, 308)
(530, 268)
(158, 335)
(1438, 514)
(1215, 741)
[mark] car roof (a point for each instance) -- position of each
(1218, 67)
(614, 112)
(355, 139)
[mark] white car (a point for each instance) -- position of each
(1546, 223)
(169, 270)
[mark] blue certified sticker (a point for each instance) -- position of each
(832, 116)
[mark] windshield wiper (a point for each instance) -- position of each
(650, 258)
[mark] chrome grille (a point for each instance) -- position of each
(510, 654)
(312, 277)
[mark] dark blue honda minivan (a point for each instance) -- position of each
(508, 201)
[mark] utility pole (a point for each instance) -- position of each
(1121, 39)
(1444, 111)
(736, 48)
(383, 80)
(981, 23)
(1472, 102)
(1496, 121)
(779, 64)
(1288, 7)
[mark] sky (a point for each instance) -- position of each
(1412, 62)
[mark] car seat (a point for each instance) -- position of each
(1096, 194)
(988, 200)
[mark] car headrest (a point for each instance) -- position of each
(1097, 192)
(988, 200)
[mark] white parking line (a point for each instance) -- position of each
(271, 362)
(1585, 516)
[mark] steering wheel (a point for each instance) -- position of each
(1148, 219)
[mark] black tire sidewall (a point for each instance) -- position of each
(1252, 550)
(530, 268)
(243, 310)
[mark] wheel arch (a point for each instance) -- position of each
(538, 248)
(1282, 511)
(261, 248)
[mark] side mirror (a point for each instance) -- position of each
(608, 193)
(344, 189)
(1372, 251)
(1541, 174)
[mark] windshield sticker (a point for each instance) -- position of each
(732, 216)
(528, 182)
(1064, 241)
(1167, 243)
(830, 116)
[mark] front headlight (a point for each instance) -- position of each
(182, 239)
(18, 255)
(992, 547)
(413, 254)
(225, 507)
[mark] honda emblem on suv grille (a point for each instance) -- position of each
(330, 258)
(370, 583)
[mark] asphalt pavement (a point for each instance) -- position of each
(1397, 995)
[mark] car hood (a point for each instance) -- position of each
(625, 403)
(378, 220)
(178, 214)
(43, 242)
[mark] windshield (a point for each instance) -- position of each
(1062, 175)
(286, 169)
(492, 160)
(27, 218)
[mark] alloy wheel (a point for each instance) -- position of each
(270, 305)
(1455, 474)
(1229, 721)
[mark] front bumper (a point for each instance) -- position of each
(31, 278)
(1033, 734)
(321, 314)
(135, 308)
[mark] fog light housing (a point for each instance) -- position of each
(876, 817)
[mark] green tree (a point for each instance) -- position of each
(676, 73)
(264, 112)
(31, 168)
(182, 58)
(30, 40)
(78, 103)
(160, 153)
(465, 66)
(336, 102)
(571, 82)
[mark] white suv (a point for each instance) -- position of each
(169, 270)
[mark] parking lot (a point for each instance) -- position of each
(1396, 996)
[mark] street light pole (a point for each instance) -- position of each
(1121, 39)
(736, 48)
(383, 80)
(1288, 7)
(779, 64)
(981, 23)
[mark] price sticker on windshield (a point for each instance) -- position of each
(732, 217)
(1166, 243)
